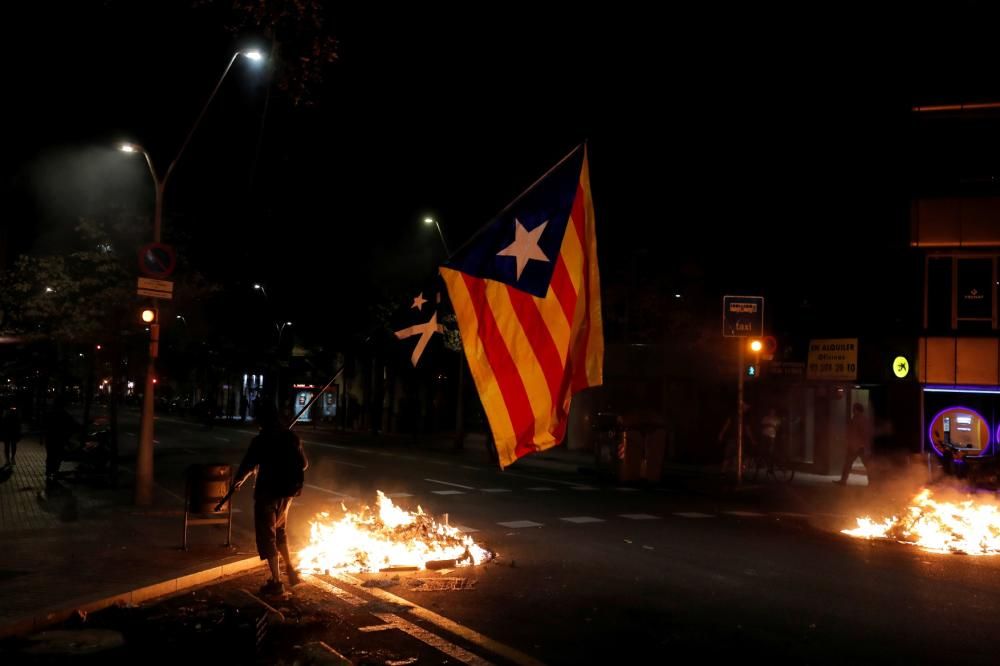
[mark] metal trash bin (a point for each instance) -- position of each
(204, 488)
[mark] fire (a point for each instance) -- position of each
(389, 538)
(963, 527)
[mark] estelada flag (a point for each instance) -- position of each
(527, 295)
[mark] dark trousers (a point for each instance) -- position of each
(850, 457)
(10, 449)
(269, 516)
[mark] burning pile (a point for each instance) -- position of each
(389, 538)
(963, 527)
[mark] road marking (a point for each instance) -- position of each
(622, 489)
(541, 489)
(331, 492)
(465, 530)
(395, 495)
(377, 627)
(448, 492)
(478, 469)
(693, 514)
(518, 524)
(453, 485)
(583, 519)
(222, 439)
(583, 488)
(495, 490)
(746, 514)
(639, 516)
(474, 637)
(343, 595)
(433, 640)
(789, 514)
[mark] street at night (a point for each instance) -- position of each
(597, 572)
(335, 333)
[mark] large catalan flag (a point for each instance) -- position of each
(527, 296)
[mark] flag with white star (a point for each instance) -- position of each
(526, 292)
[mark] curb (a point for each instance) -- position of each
(56, 614)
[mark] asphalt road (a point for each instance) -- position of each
(589, 572)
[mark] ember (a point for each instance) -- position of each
(950, 527)
(389, 538)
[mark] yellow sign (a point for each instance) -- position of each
(900, 366)
(833, 359)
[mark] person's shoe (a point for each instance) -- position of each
(293, 578)
(272, 588)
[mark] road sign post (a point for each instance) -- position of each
(742, 317)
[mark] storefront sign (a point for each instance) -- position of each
(835, 358)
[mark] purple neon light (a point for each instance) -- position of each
(989, 440)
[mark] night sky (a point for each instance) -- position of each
(773, 150)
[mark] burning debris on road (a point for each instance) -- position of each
(970, 526)
(390, 538)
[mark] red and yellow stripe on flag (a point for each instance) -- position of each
(528, 353)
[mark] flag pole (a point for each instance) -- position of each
(516, 199)
(315, 398)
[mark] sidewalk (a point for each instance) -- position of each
(71, 545)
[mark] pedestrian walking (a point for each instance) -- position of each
(858, 443)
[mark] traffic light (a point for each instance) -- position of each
(148, 316)
(752, 367)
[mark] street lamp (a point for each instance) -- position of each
(144, 456)
(259, 287)
(431, 220)
(281, 330)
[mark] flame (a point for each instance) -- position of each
(391, 537)
(964, 527)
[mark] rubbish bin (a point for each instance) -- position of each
(207, 485)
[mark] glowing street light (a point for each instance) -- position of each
(144, 455)
(431, 220)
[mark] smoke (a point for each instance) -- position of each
(65, 185)
(894, 483)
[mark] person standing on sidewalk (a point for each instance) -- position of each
(277, 456)
(859, 443)
(10, 430)
(769, 435)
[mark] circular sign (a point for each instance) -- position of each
(157, 260)
(960, 430)
(900, 366)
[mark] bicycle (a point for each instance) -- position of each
(774, 463)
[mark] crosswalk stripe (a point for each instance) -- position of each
(517, 524)
(582, 519)
(448, 492)
(693, 514)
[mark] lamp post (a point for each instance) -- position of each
(259, 287)
(460, 396)
(431, 220)
(144, 456)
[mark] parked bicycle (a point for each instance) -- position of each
(774, 464)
